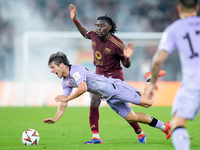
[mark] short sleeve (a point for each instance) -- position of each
(79, 74)
(167, 41)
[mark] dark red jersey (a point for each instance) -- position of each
(107, 55)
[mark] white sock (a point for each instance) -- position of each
(180, 139)
(140, 133)
(163, 127)
(96, 135)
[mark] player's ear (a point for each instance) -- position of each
(61, 65)
(178, 9)
(110, 27)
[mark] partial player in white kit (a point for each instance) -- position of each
(117, 93)
(183, 34)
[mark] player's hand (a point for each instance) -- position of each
(61, 98)
(49, 120)
(72, 10)
(149, 90)
(128, 50)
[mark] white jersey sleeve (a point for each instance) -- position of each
(184, 35)
(167, 41)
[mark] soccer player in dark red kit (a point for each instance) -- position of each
(108, 51)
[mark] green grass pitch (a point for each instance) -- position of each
(72, 130)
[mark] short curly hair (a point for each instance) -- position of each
(110, 22)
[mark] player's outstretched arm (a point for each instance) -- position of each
(158, 60)
(79, 26)
(61, 109)
(82, 88)
(128, 50)
(72, 10)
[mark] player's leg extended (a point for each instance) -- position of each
(153, 122)
(123, 110)
(147, 102)
(138, 130)
(94, 119)
(185, 107)
(180, 136)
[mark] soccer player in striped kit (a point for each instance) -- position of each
(108, 51)
(183, 34)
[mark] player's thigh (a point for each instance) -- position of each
(186, 104)
(95, 100)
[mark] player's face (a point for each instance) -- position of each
(102, 29)
(57, 69)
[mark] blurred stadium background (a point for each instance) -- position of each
(31, 30)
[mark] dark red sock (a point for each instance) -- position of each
(136, 127)
(94, 119)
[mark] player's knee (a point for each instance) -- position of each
(147, 104)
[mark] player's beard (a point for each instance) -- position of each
(102, 37)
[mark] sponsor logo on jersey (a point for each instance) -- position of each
(98, 62)
(76, 76)
(98, 55)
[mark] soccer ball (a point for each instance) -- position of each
(30, 137)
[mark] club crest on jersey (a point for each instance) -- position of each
(76, 76)
(107, 50)
(98, 55)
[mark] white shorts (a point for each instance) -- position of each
(122, 108)
(186, 103)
